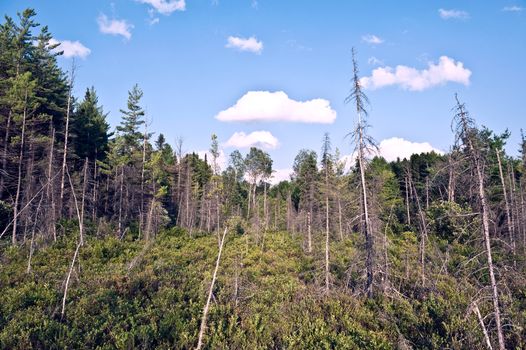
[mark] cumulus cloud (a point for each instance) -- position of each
(453, 14)
(70, 48)
(372, 39)
(397, 147)
(114, 26)
(266, 106)
(513, 8)
(245, 44)
(262, 139)
(166, 7)
(409, 78)
(391, 149)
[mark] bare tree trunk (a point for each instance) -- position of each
(31, 247)
(451, 182)
(326, 232)
(407, 201)
(141, 216)
(202, 328)
(120, 201)
(506, 205)
(423, 229)
(66, 136)
(265, 211)
(309, 233)
(368, 233)
(482, 326)
(67, 281)
(340, 217)
(4, 155)
(462, 114)
(83, 200)
(95, 189)
(20, 163)
(50, 188)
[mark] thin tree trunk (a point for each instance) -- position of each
(482, 326)
(340, 217)
(407, 201)
(66, 136)
(20, 163)
(4, 155)
(202, 328)
(50, 195)
(506, 204)
(67, 281)
(368, 233)
(326, 232)
(120, 201)
(31, 247)
(309, 233)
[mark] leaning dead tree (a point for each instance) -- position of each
(467, 133)
(363, 146)
(202, 328)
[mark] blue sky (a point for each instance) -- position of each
(196, 58)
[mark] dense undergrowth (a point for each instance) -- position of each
(134, 294)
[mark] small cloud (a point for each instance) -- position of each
(152, 20)
(453, 14)
(165, 7)
(114, 26)
(375, 61)
(409, 78)
(266, 106)
(263, 139)
(513, 8)
(372, 39)
(255, 4)
(245, 44)
(70, 48)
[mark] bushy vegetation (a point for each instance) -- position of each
(128, 294)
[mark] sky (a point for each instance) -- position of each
(274, 74)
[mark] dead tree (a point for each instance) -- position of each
(202, 328)
(66, 135)
(467, 133)
(363, 144)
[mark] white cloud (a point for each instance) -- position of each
(409, 78)
(70, 48)
(391, 149)
(279, 175)
(374, 61)
(166, 7)
(245, 44)
(513, 8)
(114, 26)
(396, 147)
(372, 39)
(263, 139)
(266, 106)
(453, 14)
